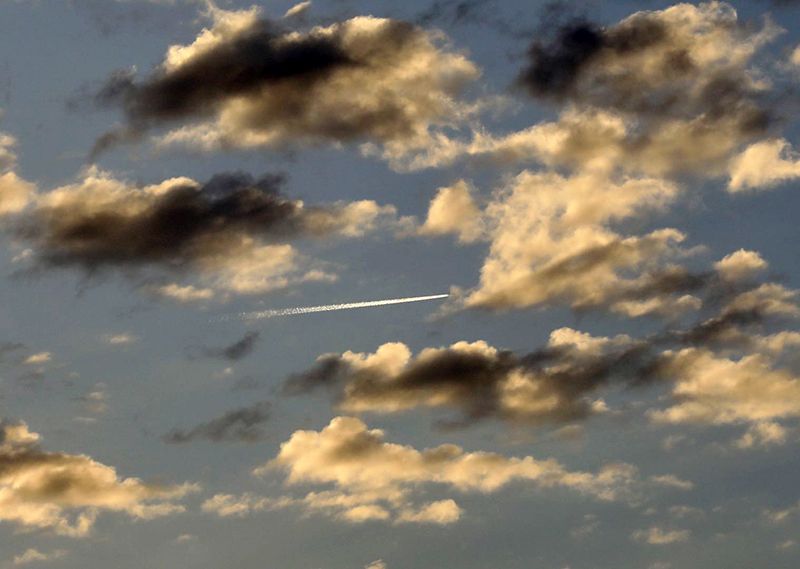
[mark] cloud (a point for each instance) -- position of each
(376, 480)
(453, 211)
(764, 164)
(551, 242)
(740, 265)
(298, 9)
(719, 390)
(236, 351)
(660, 536)
(95, 402)
(183, 293)
(38, 358)
(660, 93)
(719, 369)
(233, 231)
(15, 193)
(35, 556)
(365, 79)
(554, 384)
(763, 434)
(121, 339)
(64, 492)
(239, 425)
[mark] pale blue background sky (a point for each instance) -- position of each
(51, 49)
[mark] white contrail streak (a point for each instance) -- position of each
(327, 307)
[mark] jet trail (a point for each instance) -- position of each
(327, 307)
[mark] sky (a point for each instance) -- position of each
(606, 193)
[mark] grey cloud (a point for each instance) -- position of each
(239, 425)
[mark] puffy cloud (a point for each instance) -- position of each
(714, 389)
(684, 60)
(763, 434)
(240, 425)
(232, 230)
(553, 384)
(659, 536)
(298, 9)
(720, 370)
(658, 93)
(121, 339)
(375, 480)
(764, 164)
(183, 293)
(64, 493)
(740, 264)
(453, 211)
(365, 79)
(36, 556)
(551, 243)
(38, 358)
(15, 193)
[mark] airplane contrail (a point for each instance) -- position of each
(327, 307)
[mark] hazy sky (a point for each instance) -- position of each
(606, 190)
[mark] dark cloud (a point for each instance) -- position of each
(257, 58)
(650, 64)
(554, 384)
(251, 82)
(236, 351)
(170, 228)
(103, 223)
(239, 425)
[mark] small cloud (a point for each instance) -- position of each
(185, 538)
(298, 9)
(120, 339)
(659, 536)
(36, 556)
(38, 358)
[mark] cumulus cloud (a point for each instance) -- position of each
(659, 536)
(238, 425)
(762, 165)
(720, 369)
(371, 479)
(233, 231)
(64, 493)
(660, 91)
(551, 242)
(719, 390)
(453, 211)
(363, 80)
(553, 384)
(15, 193)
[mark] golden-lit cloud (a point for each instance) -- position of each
(380, 82)
(64, 493)
(371, 479)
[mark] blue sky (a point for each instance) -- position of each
(607, 191)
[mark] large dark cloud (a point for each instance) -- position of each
(588, 63)
(102, 222)
(247, 81)
(258, 57)
(239, 425)
(556, 383)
